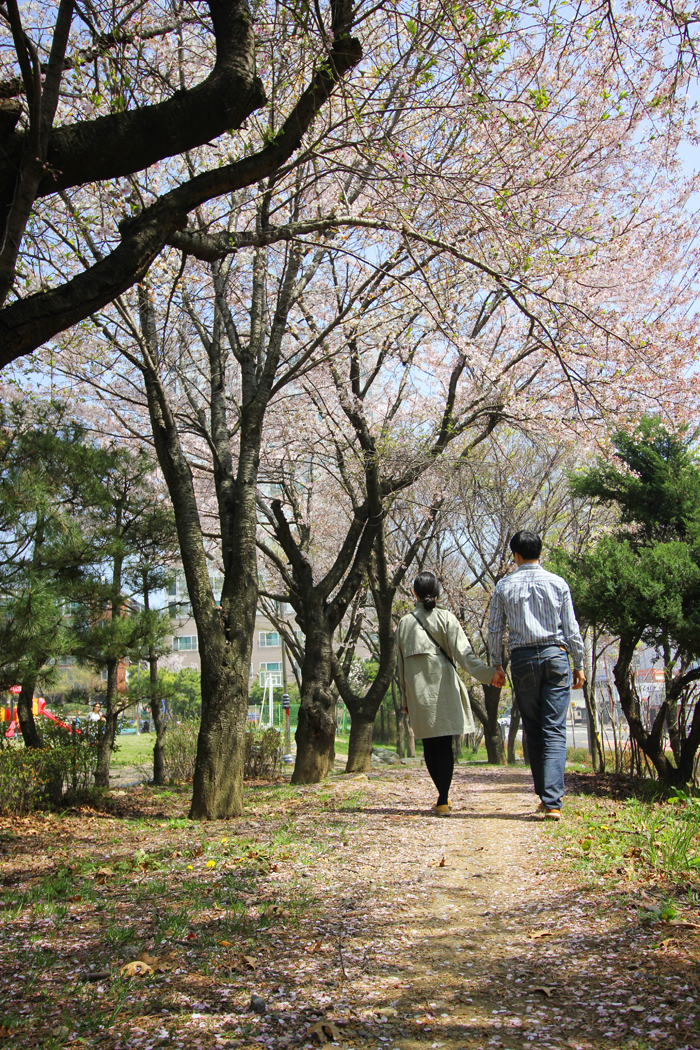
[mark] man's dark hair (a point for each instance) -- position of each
(527, 544)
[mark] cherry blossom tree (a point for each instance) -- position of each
(478, 228)
(96, 93)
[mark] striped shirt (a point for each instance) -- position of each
(537, 606)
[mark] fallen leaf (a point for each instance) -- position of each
(137, 968)
(61, 1032)
(683, 925)
(105, 872)
(325, 1032)
(388, 1011)
(545, 989)
(442, 863)
(536, 934)
(225, 944)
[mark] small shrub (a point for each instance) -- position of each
(263, 754)
(63, 770)
(181, 751)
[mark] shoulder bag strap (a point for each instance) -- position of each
(433, 640)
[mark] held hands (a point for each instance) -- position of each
(579, 679)
(499, 679)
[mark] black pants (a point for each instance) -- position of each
(440, 763)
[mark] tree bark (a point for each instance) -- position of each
(487, 713)
(25, 712)
(400, 720)
(410, 738)
(651, 742)
(108, 731)
(360, 744)
(315, 735)
(159, 725)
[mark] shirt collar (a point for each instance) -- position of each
(528, 565)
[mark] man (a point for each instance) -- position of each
(543, 631)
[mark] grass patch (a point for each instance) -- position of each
(635, 838)
(134, 750)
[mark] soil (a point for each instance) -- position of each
(357, 916)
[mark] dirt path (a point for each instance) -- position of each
(346, 903)
(481, 941)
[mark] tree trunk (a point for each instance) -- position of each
(513, 731)
(650, 742)
(410, 738)
(315, 735)
(226, 631)
(30, 732)
(218, 780)
(400, 722)
(108, 731)
(156, 706)
(596, 748)
(487, 713)
(360, 744)
(457, 746)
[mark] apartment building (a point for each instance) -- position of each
(266, 658)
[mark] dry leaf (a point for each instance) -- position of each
(325, 1032)
(105, 872)
(225, 944)
(388, 1011)
(313, 948)
(684, 925)
(137, 968)
(545, 989)
(442, 863)
(246, 962)
(535, 936)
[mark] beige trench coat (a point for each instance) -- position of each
(436, 698)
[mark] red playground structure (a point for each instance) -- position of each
(39, 708)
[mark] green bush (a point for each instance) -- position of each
(263, 754)
(181, 751)
(63, 770)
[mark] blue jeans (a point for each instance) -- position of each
(542, 681)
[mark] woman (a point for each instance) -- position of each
(430, 643)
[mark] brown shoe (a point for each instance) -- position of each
(442, 811)
(552, 814)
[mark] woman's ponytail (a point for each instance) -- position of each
(427, 589)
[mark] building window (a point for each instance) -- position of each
(184, 643)
(270, 671)
(269, 639)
